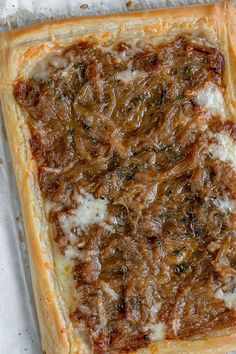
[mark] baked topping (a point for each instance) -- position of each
(136, 158)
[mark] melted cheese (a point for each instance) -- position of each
(157, 331)
(43, 69)
(226, 205)
(64, 270)
(228, 293)
(225, 149)
(212, 99)
(228, 297)
(74, 253)
(129, 74)
(89, 211)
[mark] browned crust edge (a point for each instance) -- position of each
(57, 333)
(47, 29)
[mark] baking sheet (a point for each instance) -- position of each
(18, 321)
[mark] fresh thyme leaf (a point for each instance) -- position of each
(179, 253)
(81, 66)
(158, 166)
(234, 289)
(173, 71)
(158, 244)
(180, 268)
(140, 98)
(129, 176)
(137, 303)
(118, 307)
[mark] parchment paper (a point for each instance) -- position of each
(19, 332)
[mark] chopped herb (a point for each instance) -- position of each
(56, 90)
(124, 270)
(179, 98)
(186, 71)
(65, 95)
(118, 307)
(158, 244)
(173, 71)
(234, 289)
(164, 148)
(143, 152)
(130, 109)
(179, 253)
(140, 98)
(70, 134)
(162, 216)
(137, 303)
(117, 81)
(128, 172)
(70, 131)
(159, 100)
(136, 100)
(81, 66)
(180, 268)
(129, 176)
(137, 167)
(178, 153)
(158, 166)
(119, 170)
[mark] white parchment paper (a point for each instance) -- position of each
(19, 332)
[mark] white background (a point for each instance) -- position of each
(18, 322)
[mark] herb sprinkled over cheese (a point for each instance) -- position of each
(89, 211)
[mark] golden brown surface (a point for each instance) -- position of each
(143, 146)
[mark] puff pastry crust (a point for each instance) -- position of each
(22, 48)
